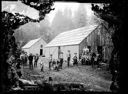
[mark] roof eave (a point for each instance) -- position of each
(62, 45)
(26, 48)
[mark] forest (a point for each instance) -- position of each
(62, 21)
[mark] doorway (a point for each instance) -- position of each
(41, 50)
(99, 49)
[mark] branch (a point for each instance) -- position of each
(13, 21)
(106, 13)
(43, 6)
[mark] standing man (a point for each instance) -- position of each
(36, 60)
(41, 64)
(50, 62)
(61, 60)
(30, 61)
(83, 58)
(68, 58)
(75, 62)
(93, 59)
(26, 58)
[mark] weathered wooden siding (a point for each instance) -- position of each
(99, 37)
(82, 45)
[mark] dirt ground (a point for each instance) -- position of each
(95, 79)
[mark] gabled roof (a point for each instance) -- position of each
(72, 37)
(31, 42)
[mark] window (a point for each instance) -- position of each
(89, 47)
(99, 49)
(41, 46)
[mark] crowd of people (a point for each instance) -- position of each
(87, 58)
(91, 58)
(57, 64)
(54, 64)
(29, 59)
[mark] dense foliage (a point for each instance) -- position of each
(113, 13)
(8, 46)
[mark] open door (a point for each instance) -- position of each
(41, 50)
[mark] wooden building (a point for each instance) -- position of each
(35, 46)
(95, 37)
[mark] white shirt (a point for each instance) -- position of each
(41, 60)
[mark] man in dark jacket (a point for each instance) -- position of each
(36, 60)
(93, 59)
(75, 62)
(26, 58)
(68, 58)
(61, 60)
(50, 62)
(30, 61)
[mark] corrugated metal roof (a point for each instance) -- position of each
(72, 37)
(30, 43)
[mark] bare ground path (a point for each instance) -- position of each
(83, 74)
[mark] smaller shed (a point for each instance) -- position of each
(35, 46)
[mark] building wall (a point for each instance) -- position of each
(54, 51)
(82, 45)
(100, 37)
(73, 49)
(35, 49)
(92, 40)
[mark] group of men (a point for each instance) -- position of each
(58, 64)
(32, 59)
(86, 58)
(91, 58)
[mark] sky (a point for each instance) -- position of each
(71, 5)
(32, 13)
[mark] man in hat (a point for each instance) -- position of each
(68, 58)
(75, 62)
(50, 62)
(26, 58)
(61, 60)
(30, 61)
(36, 60)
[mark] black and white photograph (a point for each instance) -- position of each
(51, 46)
